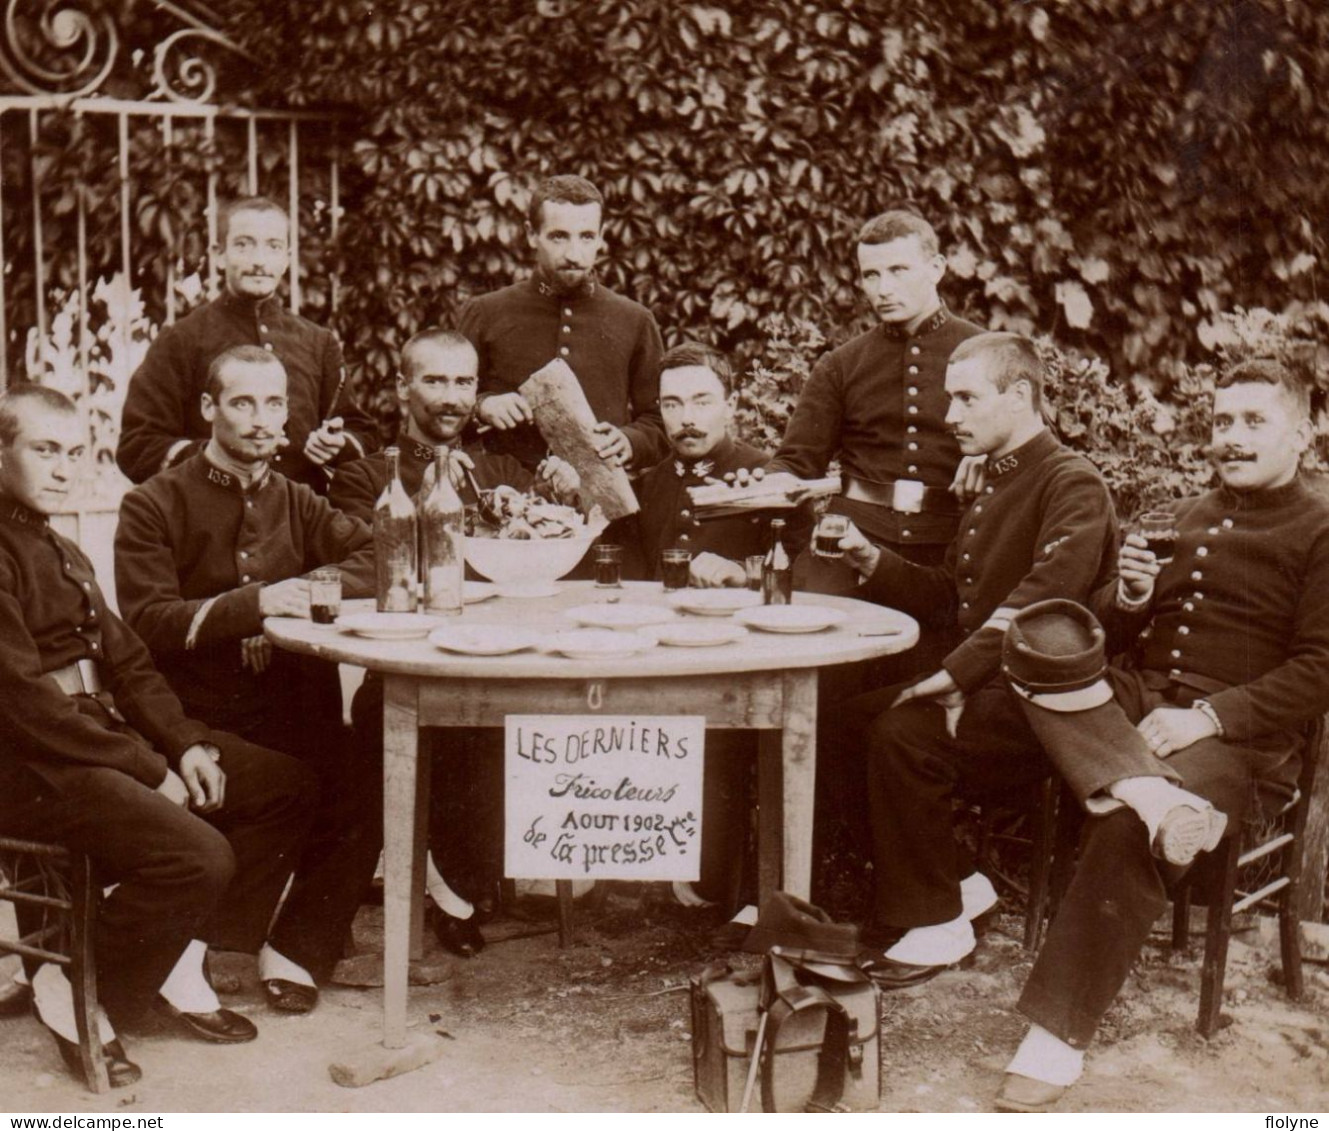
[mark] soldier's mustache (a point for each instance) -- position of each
(1229, 455)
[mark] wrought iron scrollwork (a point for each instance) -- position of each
(181, 68)
(62, 47)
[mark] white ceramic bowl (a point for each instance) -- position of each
(512, 561)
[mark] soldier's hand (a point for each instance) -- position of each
(256, 653)
(863, 555)
(1137, 568)
(325, 443)
(289, 598)
(969, 476)
(612, 444)
(560, 475)
(942, 689)
(1169, 729)
(203, 777)
(504, 411)
(459, 463)
(710, 571)
(173, 789)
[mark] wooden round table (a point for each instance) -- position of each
(765, 682)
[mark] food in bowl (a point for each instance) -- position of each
(528, 518)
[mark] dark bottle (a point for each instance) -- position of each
(395, 543)
(442, 541)
(777, 572)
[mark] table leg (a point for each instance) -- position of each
(799, 780)
(400, 747)
(770, 805)
(420, 845)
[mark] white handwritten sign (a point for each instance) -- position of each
(612, 797)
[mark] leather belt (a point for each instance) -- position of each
(904, 496)
(82, 677)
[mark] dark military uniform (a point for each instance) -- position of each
(879, 402)
(666, 520)
(192, 551)
(1043, 527)
(162, 405)
(1240, 617)
(612, 344)
(88, 730)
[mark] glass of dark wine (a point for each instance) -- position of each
(325, 595)
(608, 566)
(674, 568)
(1159, 530)
(826, 541)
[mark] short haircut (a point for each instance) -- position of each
(245, 204)
(564, 189)
(241, 355)
(29, 393)
(1268, 371)
(898, 224)
(433, 336)
(694, 353)
(1008, 358)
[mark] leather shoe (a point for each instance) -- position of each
(1024, 1093)
(290, 997)
(892, 975)
(15, 998)
(221, 1026)
(460, 936)
(120, 1070)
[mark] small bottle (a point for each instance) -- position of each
(777, 572)
(442, 541)
(395, 543)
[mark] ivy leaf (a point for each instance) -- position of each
(1075, 301)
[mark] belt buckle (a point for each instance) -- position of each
(88, 675)
(907, 496)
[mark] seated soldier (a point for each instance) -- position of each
(196, 829)
(1043, 527)
(1226, 660)
(436, 390)
(204, 551)
(696, 402)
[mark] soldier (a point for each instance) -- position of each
(204, 551)
(1226, 660)
(436, 389)
(1042, 527)
(879, 402)
(197, 829)
(696, 386)
(163, 425)
(612, 343)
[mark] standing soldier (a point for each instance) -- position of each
(612, 343)
(879, 402)
(163, 424)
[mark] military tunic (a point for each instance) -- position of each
(666, 519)
(612, 344)
(163, 423)
(879, 401)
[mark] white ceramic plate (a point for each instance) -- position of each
(695, 633)
(475, 591)
(483, 639)
(596, 643)
(526, 590)
(790, 618)
(389, 626)
(619, 616)
(714, 602)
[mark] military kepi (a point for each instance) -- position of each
(1054, 658)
